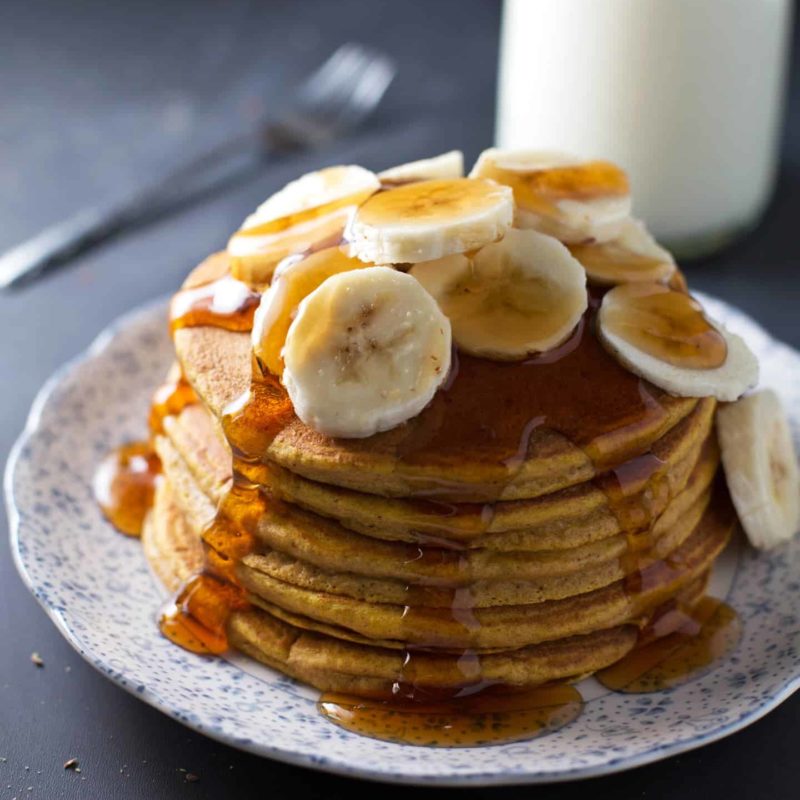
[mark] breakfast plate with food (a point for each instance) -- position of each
(429, 478)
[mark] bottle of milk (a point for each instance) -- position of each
(685, 94)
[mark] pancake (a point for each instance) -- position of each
(504, 611)
(171, 544)
(271, 564)
(331, 662)
(564, 520)
(322, 543)
(427, 456)
(508, 625)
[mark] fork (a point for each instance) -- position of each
(332, 101)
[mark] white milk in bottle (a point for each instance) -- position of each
(685, 94)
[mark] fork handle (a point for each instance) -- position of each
(223, 166)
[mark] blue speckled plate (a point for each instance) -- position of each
(95, 584)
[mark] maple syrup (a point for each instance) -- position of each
(502, 407)
(197, 619)
(124, 485)
(224, 303)
(169, 400)
(669, 325)
(430, 202)
(255, 252)
(610, 262)
(717, 522)
(540, 190)
(675, 647)
(465, 718)
(295, 278)
(637, 490)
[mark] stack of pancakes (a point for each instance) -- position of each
(407, 557)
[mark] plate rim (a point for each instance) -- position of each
(288, 755)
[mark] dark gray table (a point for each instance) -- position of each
(94, 97)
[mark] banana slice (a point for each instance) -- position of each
(521, 295)
(633, 256)
(761, 467)
(663, 336)
(444, 167)
(430, 219)
(558, 194)
(294, 279)
(367, 350)
(312, 209)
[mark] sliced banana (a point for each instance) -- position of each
(558, 194)
(634, 255)
(663, 336)
(430, 219)
(444, 167)
(312, 209)
(521, 295)
(367, 351)
(761, 467)
(294, 279)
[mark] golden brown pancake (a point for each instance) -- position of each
(328, 661)
(507, 625)
(171, 545)
(563, 520)
(406, 461)
(374, 607)
(326, 544)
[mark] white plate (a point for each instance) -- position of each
(97, 588)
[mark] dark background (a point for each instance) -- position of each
(95, 97)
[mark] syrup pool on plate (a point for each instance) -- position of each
(124, 485)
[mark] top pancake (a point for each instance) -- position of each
(494, 431)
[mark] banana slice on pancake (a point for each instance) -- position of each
(521, 295)
(561, 195)
(443, 167)
(314, 208)
(761, 467)
(634, 255)
(430, 219)
(367, 350)
(294, 279)
(663, 336)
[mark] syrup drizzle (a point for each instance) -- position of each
(541, 190)
(224, 303)
(675, 647)
(257, 252)
(197, 620)
(169, 400)
(124, 486)
(502, 407)
(665, 323)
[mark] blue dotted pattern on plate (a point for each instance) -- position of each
(98, 589)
